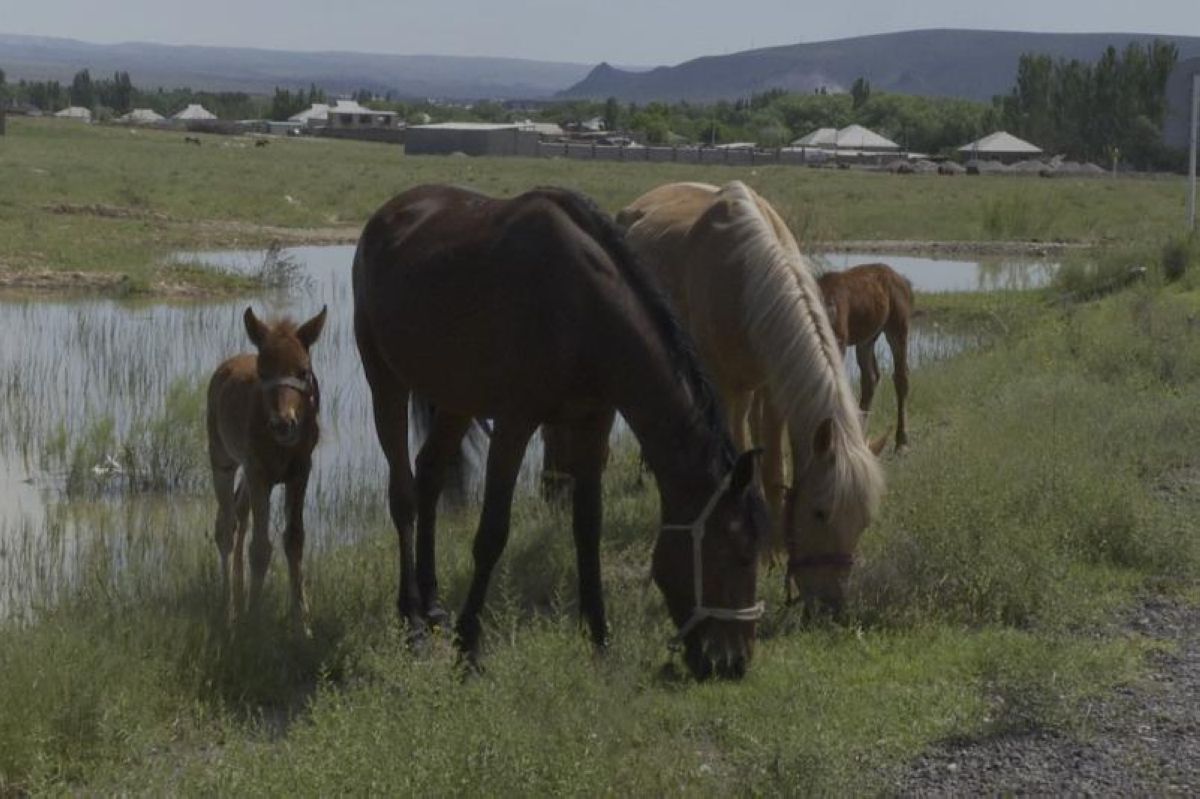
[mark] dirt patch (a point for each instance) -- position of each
(240, 231)
(1144, 740)
(63, 282)
(105, 211)
(1021, 249)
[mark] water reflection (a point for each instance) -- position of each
(938, 274)
(80, 371)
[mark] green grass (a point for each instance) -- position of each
(177, 197)
(1026, 515)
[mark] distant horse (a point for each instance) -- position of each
(262, 418)
(531, 310)
(261, 143)
(751, 302)
(191, 140)
(862, 303)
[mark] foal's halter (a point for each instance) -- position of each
(309, 389)
(701, 612)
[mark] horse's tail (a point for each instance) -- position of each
(463, 472)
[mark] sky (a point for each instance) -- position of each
(624, 32)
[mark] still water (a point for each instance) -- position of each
(84, 387)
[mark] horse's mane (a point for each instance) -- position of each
(681, 352)
(793, 338)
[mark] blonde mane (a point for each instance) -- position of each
(791, 335)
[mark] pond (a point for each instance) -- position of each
(102, 398)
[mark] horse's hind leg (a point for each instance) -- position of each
(897, 337)
(437, 453)
(225, 529)
(868, 367)
(389, 400)
(293, 547)
(589, 454)
(504, 463)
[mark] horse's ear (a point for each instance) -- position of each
(310, 331)
(255, 329)
(744, 470)
(823, 438)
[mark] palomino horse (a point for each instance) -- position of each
(750, 301)
(262, 418)
(863, 302)
(531, 310)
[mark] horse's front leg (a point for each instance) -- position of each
(504, 464)
(293, 546)
(589, 455)
(260, 544)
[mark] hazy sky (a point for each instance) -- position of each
(619, 31)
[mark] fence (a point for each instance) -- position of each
(684, 155)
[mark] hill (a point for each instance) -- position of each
(260, 71)
(952, 63)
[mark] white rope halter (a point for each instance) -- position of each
(701, 612)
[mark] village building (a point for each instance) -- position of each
(1000, 146)
(142, 116)
(194, 113)
(349, 115)
(75, 112)
(472, 138)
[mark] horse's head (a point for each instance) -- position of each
(832, 501)
(289, 389)
(707, 571)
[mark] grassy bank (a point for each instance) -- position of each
(111, 199)
(1038, 500)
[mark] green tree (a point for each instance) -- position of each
(83, 94)
(860, 92)
(612, 114)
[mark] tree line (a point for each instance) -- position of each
(1111, 109)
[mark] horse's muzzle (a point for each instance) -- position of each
(284, 431)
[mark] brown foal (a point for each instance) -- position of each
(262, 418)
(863, 302)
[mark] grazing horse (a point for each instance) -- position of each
(527, 311)
(191, 140)
(862, 303)
(751, 302)
(262, 418)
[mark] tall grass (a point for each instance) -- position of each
(1026, 512)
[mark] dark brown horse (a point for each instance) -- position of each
(862, 303)
(262, 418)
(531, 310)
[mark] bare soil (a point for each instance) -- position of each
(1142, 741)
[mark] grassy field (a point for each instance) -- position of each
(111, 199)
(1046, 491)
(1036, 504)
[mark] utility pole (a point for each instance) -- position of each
(1192, 159)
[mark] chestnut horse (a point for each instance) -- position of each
(862, 303)
(262, 419)
(531, 310)
(751, 302)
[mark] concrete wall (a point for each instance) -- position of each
(444, 141)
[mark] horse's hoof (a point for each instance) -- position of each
(437, 617)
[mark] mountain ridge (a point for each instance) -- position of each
(949, 62)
